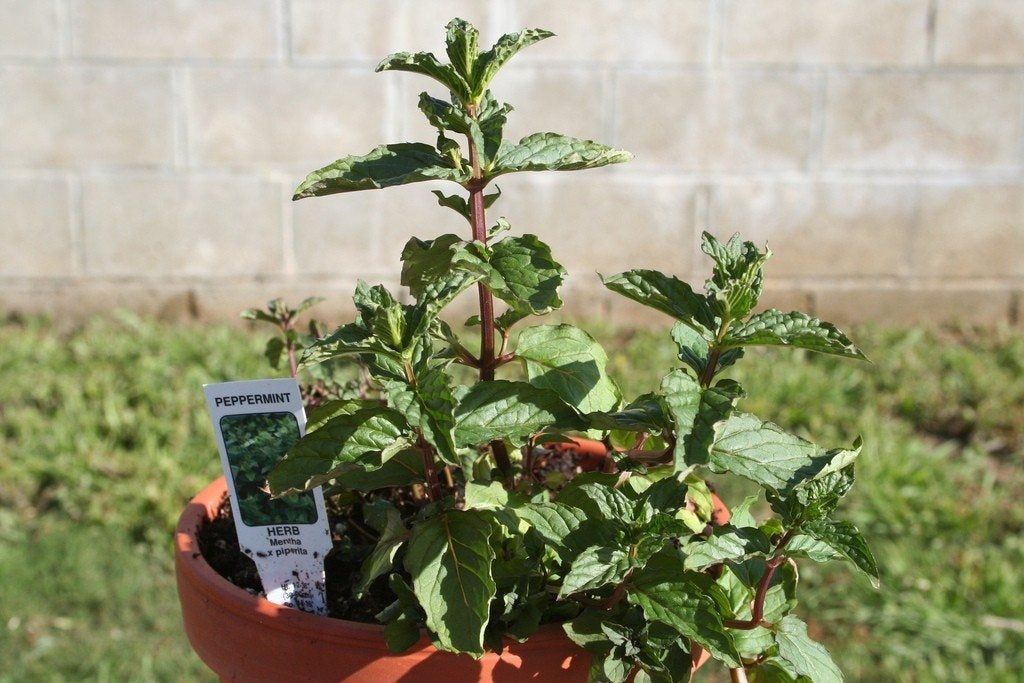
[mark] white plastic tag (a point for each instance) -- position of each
(255, 423)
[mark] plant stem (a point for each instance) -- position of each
(478, 220)
(433, 484)
(293, 366)
(738, 675)
(757, 611)
(709, 370)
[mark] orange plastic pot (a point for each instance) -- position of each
(244, 637)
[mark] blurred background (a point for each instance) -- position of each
(148, 150)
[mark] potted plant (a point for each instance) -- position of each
(537, 524)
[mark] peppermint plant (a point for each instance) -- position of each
(437, 470)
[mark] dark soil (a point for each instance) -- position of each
(218, 543)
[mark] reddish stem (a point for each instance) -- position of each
(289, 345)
(709, 370)
(478, 219)
(433, 483)
(757, 611)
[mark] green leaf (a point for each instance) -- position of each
(461, 45)
(668, 593)
(737, 280)
(666, 495)
(598, 501)
(385, 166)
(339, 446)
(806, 656)
(775, 328)
(431, 265)
(449, 558)
(814, 499)
(554, 152)
(385, 519)
(567, 360)
(646, 413)
(273, 351)
(402, 469)
(593, 568)
(668, 295)
(482, 495)
(508, 410)
(490, 61)
(589, 631)
(528, 277)
(847, 542)
(401, 634)
(428, 404)
(348, 340)
(459, 205)
(319, 415)
(694, 350)
(554, 522)
(727, 544)
(428, 65)
(699, 415)
(766, 454)
(773, 671)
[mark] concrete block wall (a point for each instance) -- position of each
(148, 148)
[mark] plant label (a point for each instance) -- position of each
(255, 423)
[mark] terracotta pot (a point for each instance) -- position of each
(244, 637)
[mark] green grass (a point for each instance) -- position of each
(104, 436)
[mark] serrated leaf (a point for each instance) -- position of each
(667, 294)
(431, 265)
(699, 414)
(554, 152)
(385, 166)
(351, 339)
(773, 671)
(694, 350)
(806, 656)
(727, 543)
(508, 410)
(814, 499)
(569, 362)
(775, 328)
(489, 62)
(385, 519)
(646, 413)
(668, 593)
(402, 469)
(768, 455)
(598, 501)
(449, 558)
(593, 568)
(428, 404)
(461, 39)
(737, 280)
(528, 277)
(428, 65)
(552, 521)
(847, 542)
(338, 446)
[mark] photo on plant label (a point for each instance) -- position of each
(254, 443)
